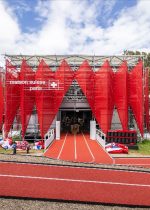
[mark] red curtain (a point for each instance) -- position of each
(1, 100)
(27, 95)
(85, 79)
(12, 96)
(104, 96)
(136, 94)
(121, 94)
(49, 98)
(68, 75)
(64, 76)
(44, 98)
(146, 101)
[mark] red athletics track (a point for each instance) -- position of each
(75, 183)
(78, 148)
(142, 162)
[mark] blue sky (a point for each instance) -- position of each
(29, 19)
(100, 27)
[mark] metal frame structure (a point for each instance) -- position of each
(75, 61)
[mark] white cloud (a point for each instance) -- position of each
(75, 27)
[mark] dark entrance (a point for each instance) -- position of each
(79, 119)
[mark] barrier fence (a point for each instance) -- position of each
(48, 138)
(101, 137)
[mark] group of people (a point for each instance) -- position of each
(14, 147)
(72, 124)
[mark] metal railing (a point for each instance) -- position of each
(101, 137)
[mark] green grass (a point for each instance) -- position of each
(144, 148)
(10, 151)
(7, 151)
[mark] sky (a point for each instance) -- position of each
(95, 27)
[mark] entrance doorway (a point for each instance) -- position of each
(75, 121)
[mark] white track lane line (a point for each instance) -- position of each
(93, 158)
(74, 180)
(62, 146)
(75, 147)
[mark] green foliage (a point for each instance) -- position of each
(146, 56)
(16, 138)
(144, 148)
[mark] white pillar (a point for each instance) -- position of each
(93, 130)
(57, 130)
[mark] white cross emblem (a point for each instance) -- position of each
(54, 84)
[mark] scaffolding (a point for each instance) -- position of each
(74, 61)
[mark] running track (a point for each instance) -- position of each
(75, 183)
(80, 148)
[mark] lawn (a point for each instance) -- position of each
(10, 151)
(144, 148)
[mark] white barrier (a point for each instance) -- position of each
(93, 130)
(57, 130)
(48, 138)
(147, 136)
(101, 137)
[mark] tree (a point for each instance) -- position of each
(146, 56)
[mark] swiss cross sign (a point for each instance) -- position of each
(54, 84)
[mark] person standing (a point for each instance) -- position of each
(28, 148)
(14, 146)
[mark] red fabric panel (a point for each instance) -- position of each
(136, 94)
(27, 96)
(146, 104)
(12, 96)
(104, 96)
(64, 75)
(1, 101)
(68, 75)
(49, 99)
(121, 94)
(85, 78)
(45, 99)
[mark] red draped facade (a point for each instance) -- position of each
(103, 89)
